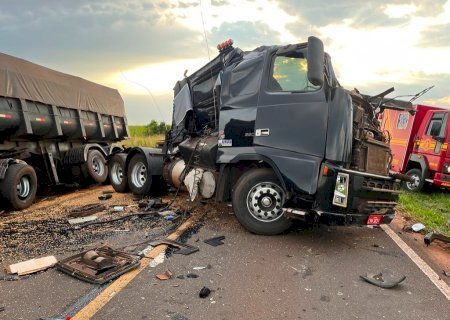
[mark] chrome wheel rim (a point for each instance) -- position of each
(139, 175)
(265, 201)
(413, 185)
(116, 173)
(24, 187)
(98, 166)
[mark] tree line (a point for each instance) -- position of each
(155, 127)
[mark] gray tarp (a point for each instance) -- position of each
(25, 80)
(182, 103)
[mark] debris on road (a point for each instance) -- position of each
(2, 309)
(417, 227)
(431, 236)
(98, 266)
(105, 196)
(165, 276)
(31, 266)
(199, 268)
(216, 241)
(385, 279)
(181, 248)
(192, 275)
(447, 274)
(118, 208)
(204, 292)
(86, 210)
(82, 220)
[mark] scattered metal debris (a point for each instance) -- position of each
(82, 220)
(216, 241)
(431, 236)
(199, 268)
(192, 275)
(182, 248)
(118, 208)
(204, 292)
(86, 210)
(447, 274)
(105, 196)
(417, 227)
(2, 309)
(165, 276)
(98, 266)
(31, 266)
(385, 279)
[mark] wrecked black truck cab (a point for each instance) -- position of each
(272, 131)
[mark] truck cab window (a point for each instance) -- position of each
(436, 127)
(290, 74)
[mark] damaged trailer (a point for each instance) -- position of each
(54, 128)
(272, 131)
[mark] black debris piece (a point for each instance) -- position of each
(204, 292)
(182, 248)
(105, 196)
(431, 236)
(192, 275)
(181, 276)
(216, 241)
(385, 279)
(2, 309)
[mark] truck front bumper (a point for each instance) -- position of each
(333, 218)
(442, 180)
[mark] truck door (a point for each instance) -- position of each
(432, 140)
(291, 118)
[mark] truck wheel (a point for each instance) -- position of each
(417, 185)
(19, 186)
(117, 172)
(96, 166)
(257, 202)
(139, 176)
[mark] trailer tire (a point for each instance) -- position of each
(96, 166)
(417, 185)
(257, 202)
(117, 172)
(19, 186)
(139, 175)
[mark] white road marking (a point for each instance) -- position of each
(430, 273)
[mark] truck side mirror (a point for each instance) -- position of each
(316, 58)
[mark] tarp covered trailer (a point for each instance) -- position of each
(54, 128)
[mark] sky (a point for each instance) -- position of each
(143, 47)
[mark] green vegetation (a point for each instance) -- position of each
(431, 209)
(146, 136)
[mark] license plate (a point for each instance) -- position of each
(374, 219)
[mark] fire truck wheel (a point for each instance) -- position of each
(117, 172)
(258, 202)
(96, 166)
(139, 175)
(417, 184)
(19, 186)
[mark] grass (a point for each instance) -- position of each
(139, 137)
(431, 209)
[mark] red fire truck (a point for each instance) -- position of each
(419, 144)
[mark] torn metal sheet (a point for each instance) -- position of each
(216, 241)
(182, 248)
(31, 266)
(385, 279)
(86, 210)
(431, 236)
(82, 219)
(98, 266)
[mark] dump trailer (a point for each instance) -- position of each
(419, 142)
(273, 132)
(54, 129)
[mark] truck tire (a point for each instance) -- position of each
(117, 172)
(417, 185)
(19, 186)
(96, 166)
(139, 175)
(257, 202)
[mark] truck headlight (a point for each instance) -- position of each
(446, 168)
(340, 195)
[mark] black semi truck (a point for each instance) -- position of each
(54, 129)
(273, 131)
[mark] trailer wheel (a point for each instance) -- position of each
(19, 186)
(257, 202)
(117, 172)
(139, 175)
(417, 185)
(96, 166)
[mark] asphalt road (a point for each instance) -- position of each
(312, 274)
